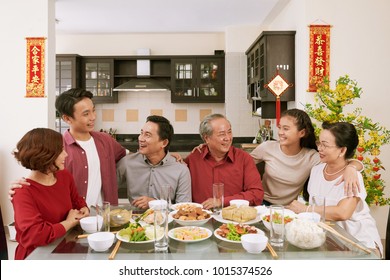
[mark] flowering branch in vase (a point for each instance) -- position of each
(329, 105)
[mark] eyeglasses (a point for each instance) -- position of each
(324, 146)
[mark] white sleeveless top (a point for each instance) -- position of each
(94, 195)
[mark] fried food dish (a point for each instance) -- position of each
(191, 214)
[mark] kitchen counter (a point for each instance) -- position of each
(180, 142)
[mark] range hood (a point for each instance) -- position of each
(143, 82)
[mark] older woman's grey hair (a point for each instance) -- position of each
(205, 128)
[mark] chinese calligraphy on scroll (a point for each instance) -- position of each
(319, 54)
(35, 76)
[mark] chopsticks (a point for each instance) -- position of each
(86, 235)
(272, 251)
(333, 231)
(115, 250)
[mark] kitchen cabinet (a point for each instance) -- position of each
(272, 51)
(67, 77)
(198, 79)
(98, 75)
(67, 72)
(125, 69)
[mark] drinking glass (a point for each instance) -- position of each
(319, 201)
(161, 239)
(166, 193)
(218, 192)
(103, 216)
(277, 225)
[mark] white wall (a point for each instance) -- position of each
(360, 37)
(359, 42)
(18, 20)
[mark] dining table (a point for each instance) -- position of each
(71, 247)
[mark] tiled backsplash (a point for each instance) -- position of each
(129, 114)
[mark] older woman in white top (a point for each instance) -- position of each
(336, 145)
(288, 161)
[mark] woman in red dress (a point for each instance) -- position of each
(47, 208)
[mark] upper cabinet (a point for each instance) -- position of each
(198, 79)
(67, 72)
(156, 67)
(272, 51)
(98, 76)
(191, 79)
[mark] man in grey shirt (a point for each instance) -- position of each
(152, 166)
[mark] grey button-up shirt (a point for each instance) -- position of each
(144, 179)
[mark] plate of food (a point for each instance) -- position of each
(192, 216)
(288, 217)
(185, 205)
(189, 234)
(232, 232)
(135, 233)
(147, 218)
(238, 215)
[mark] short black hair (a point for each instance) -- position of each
(165, 129)
(345, 134)
(65, 101)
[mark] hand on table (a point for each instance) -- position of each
(297, 207)
(142, 202)
(209, 203)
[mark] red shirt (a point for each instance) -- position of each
(237, 171)
(109, 151)
(39, 210)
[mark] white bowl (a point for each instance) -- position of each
(157, 204)
(254, 243)
(311, 216)
(89, 224)
(239, 202)
(191, 222)
(101, 241)
(305, 234)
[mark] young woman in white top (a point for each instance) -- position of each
(336, 145)
(288, 161)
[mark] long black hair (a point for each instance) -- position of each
(303, 121)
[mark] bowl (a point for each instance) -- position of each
(305, 234)
(239, 202)
(254, 243)
(287, 214)
(101, 241)
(120, 215)
(191, 222)
(311, 216)
(89, 224)
(158, 204)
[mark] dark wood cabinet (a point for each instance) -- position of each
(98, 76)
(198, 79)
(67, 72)
(192, 79)
(272, 51)
(67, 76)
(125, 68)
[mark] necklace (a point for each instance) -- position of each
(331, 174)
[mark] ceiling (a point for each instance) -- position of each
(162, 16)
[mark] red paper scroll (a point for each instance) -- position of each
(319, 55)
(35, 76)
